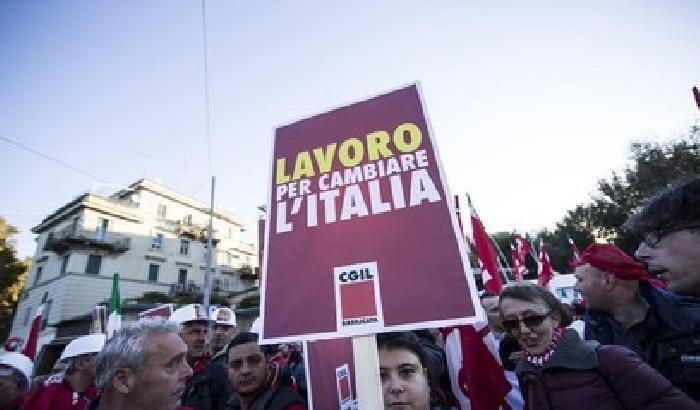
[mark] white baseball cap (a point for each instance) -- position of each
(92, 343)
(189, 313)
(256, 326)
(225, 316)
(20, 362)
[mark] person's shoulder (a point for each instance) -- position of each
(616, 360)
(614, 351)
(295, 406)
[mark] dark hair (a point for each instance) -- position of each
(533, 293)
(674, 207)
(409, 341)
(486, 294)
(242, 338)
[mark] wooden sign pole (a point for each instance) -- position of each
(368, 383)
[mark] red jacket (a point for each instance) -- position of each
(583, 375)
(59, 396)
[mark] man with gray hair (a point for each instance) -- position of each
(143, 366)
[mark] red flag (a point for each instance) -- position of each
(476, 375)
(162, 311)
(33, 337)
(487, 255)
(519, 269)
(545, 274)
(574, 249)
(523, 247)
(696, 94)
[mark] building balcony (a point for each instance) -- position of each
(74, 238)
(248, 273)
(195, 232)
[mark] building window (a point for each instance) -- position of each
(153, 272)
(101, 229)
(45, 314)
(37, 278)
(161, 211)
(64, 264)
(27, 313)
(184, 247)
(157, 242)
(187, 220)
(182, 277)
(93, 264)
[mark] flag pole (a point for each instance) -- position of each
(500, 253)
(210, 251)
(498, 248)
(366, 359)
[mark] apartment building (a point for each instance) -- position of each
(154, 237)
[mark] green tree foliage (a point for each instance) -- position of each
(558, 246)
(13, 273)
(652, 167)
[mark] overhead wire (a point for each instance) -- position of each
(50, 158)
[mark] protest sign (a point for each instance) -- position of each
(330, 374)
(361, 233)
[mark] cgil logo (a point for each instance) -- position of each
(355, 275)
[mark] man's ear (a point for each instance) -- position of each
(124, 380)
(609, 281)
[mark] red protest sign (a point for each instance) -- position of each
(361, 236)
(324, 360)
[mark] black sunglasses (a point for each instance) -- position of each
(654, 237)
(530, 321)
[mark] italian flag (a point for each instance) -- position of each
(33, 336)
(114, 320)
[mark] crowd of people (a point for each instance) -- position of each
(634, 344)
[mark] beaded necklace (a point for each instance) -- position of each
(541, 358)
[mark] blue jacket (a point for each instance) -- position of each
(668, 338)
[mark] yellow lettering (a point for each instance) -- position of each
(303, 167)
(281, 176)
(377, 143)
(415, 137)
(357, 150)
(324, 160)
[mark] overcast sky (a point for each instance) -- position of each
(531, 102)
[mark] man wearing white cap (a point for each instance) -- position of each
(15, 374)
(77, 386)
(200, 393)
(224, 329)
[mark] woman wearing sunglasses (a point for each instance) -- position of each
(560, 371)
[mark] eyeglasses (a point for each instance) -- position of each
(253, 360)
(651, 239)
(531, 321)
